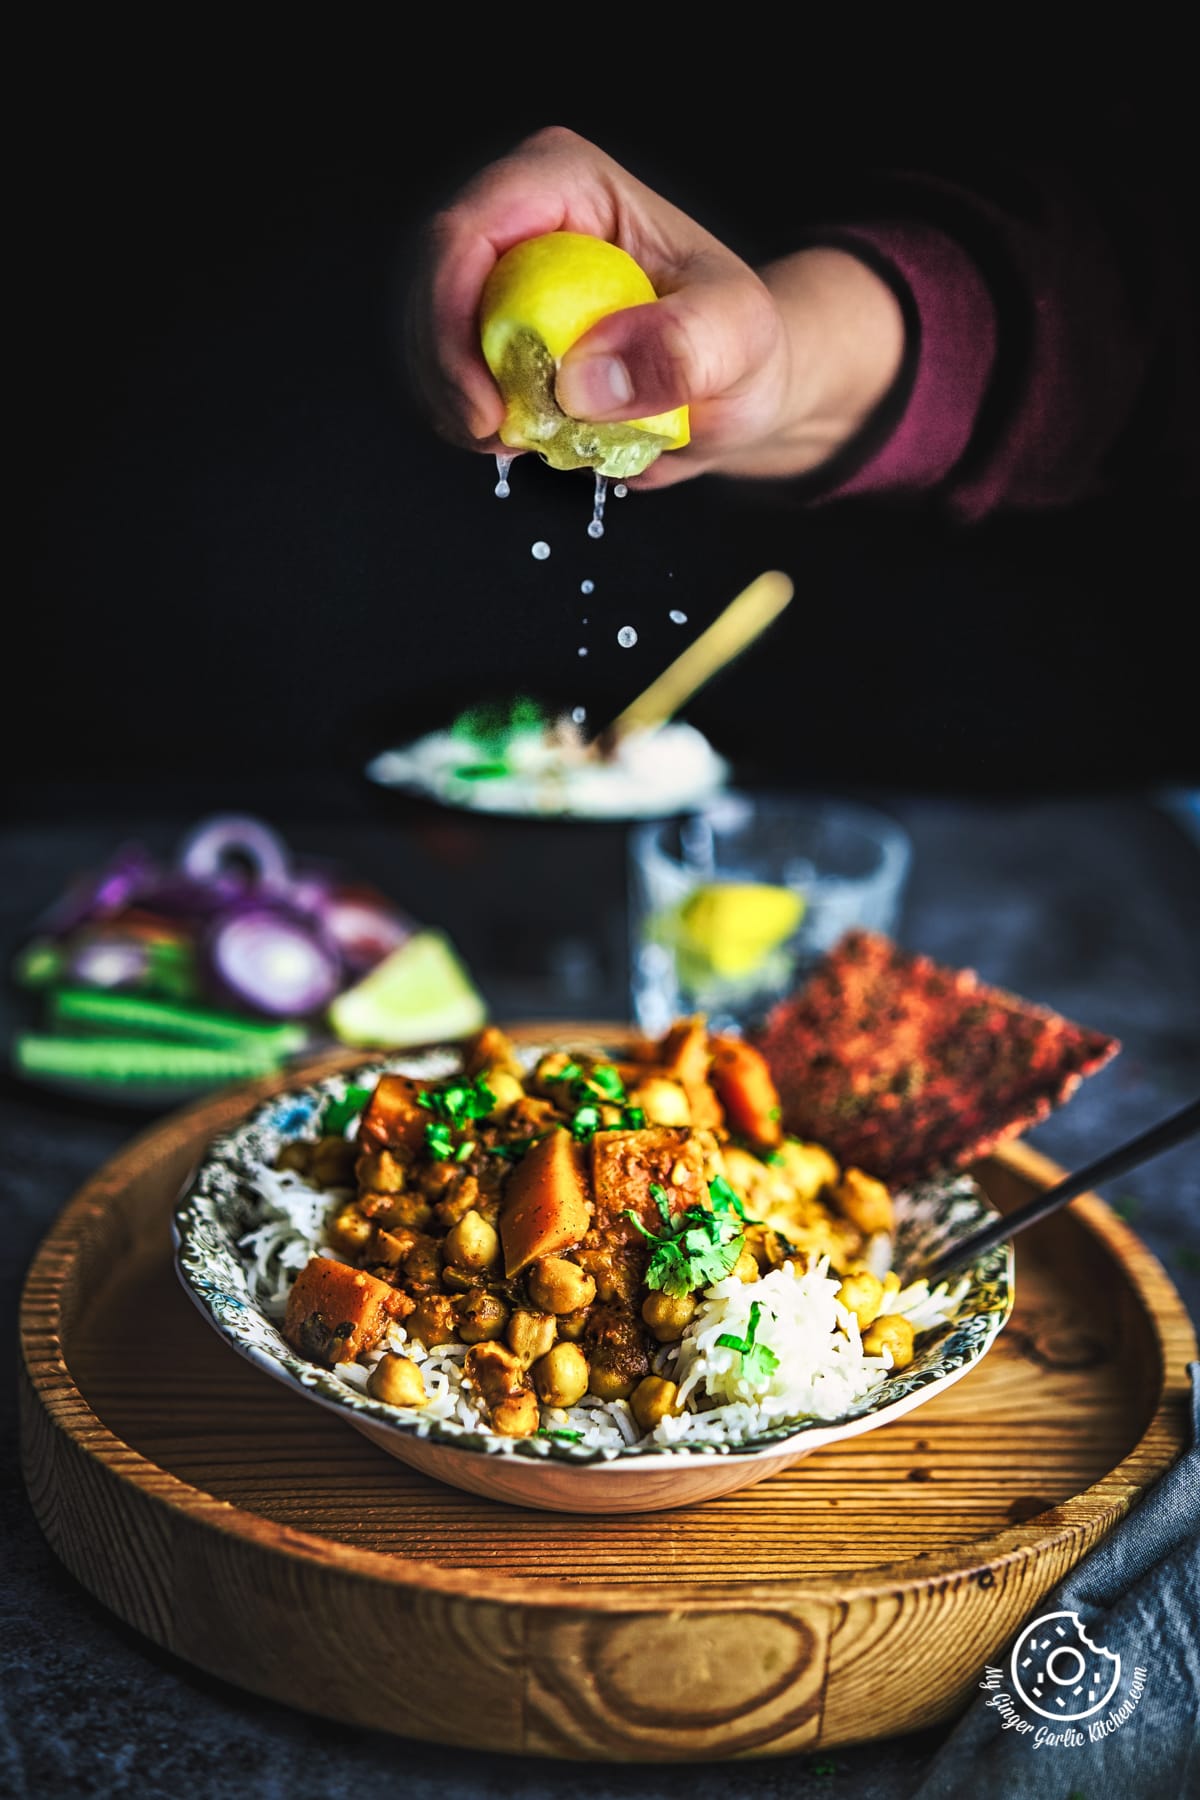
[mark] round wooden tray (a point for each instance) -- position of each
(855, 1596)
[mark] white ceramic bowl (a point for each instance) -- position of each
(224, 1201)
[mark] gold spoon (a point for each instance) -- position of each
(744, 619)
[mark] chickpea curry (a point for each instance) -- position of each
(562, 1222)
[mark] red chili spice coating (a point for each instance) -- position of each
(904, 1068)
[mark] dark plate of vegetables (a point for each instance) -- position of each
(148, 981)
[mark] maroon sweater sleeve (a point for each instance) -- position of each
(1051, 348)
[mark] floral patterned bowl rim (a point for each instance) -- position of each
(221, 1203)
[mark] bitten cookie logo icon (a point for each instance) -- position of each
(1059, 1672)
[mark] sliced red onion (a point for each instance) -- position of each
(99, 893)
(273, 960)
(364, 925)
(108, 962)
(230, 844)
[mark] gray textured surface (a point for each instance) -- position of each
(1091, 906)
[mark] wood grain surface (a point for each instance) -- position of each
(854, 1596)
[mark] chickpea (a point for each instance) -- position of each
(572, 1326)
(561, 1376)
(380, 1171)
(423, 1264)
(495, 1371)
(295, 1156)
(558, 1285)
(864, 1201)
(392, 1247)
(481, 1316)
(809, 1167)
(668, 1315)
(746, 1266)
(547, 1077)
(504, 1088)
(472, 1244)
(332, 1162)
(862, 1294)
(608, 1383)
(517, 1415)
(434, 1320)
(664, 1102)
(351, 1230)
(654, 1399)
(530, 1335)
(894, 1333)
(412, 1210)
(397, 1381)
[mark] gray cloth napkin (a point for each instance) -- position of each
(1137, 1595)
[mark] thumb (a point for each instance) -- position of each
(693, 345)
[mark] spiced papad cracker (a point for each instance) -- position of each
(906, 1069)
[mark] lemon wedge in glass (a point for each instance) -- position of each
(735, 925)
(540, 298)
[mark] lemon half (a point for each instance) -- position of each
(736, 925)
(541, 297)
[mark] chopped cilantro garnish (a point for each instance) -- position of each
(632, 1118)
(568, 1437)
(724, 1199)
(658, 1194)
(758, 1362)
(460, 1101)
(464, 1150)
(605, 1080)
(438, 1139)
(338, 1113)
(512, 1150)
(484, 771)
(585, 1123)
(701, 1246)
(570, 1071)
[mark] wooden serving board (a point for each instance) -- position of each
(855, 1596)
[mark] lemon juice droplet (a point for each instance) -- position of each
(676, 617)
(587, 587)
(503, 465)
(540, 551)
(627, 637)
(579, 714)
(596, 528)
(620, 490)
(583, 649)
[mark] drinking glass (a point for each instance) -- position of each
(731, 905)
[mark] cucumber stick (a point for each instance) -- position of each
(137, 1061)
(133, 1015)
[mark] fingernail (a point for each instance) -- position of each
(591, 386)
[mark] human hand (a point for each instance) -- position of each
(778, 368)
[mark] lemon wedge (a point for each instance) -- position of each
(542, 295)
(421, 993)
(735, 925)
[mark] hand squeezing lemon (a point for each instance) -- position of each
(540, 298)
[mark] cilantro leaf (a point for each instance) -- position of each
(438, 1139)
(568, 1437)
(338, 1113)
(724, 1199)
(606, 1081)
(658, 1194)
(759, 1361)
(585, 1123)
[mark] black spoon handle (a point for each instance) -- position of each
(1164, 1136)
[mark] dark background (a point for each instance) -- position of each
(251, 556)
